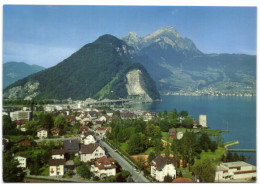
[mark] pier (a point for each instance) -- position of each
(241, 150)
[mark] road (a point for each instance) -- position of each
(55, 139)
(137, 177)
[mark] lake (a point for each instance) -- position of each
(235, 113)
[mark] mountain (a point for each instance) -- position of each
(177, 65)
(13, 71)
(102, 69)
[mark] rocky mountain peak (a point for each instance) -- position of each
(168, 30)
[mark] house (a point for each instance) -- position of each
(83, 129)
(20, 124)
(24, 142)
(88, 138)
(110, 113)
(235, 170)
(183, 180)
(90, 152)
(56, 167)
(172, 133)
(71, 146)
(21, 158)
(104, 167)
(55, 131)
(127, 115)
(20, 115)
(71, 119)
(58, 154)
(203, 120)
(101, 132)
(102, 118)
(147, 116)
(179, 135)
(161, 167)
(92, 114)
(42, 133)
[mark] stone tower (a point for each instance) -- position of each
(203, 120)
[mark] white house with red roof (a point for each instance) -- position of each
(161, 167)
(104, 167)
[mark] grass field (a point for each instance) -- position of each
(216, 156)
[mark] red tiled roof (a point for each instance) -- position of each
(181, 179)
(101, 162)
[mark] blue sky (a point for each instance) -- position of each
(45, 35)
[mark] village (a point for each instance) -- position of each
(77, 143)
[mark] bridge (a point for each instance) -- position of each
(241, 150)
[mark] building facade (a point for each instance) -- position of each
(104, 167)
(161, 167)
(235, 170)
(91, 152)
(203, 120)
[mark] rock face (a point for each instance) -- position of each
(28, 92)
(134, 86)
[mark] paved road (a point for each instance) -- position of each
(55, 139)
(58, 178)
(137, 177)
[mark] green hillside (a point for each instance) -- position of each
(97, 70)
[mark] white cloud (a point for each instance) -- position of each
(35, 54)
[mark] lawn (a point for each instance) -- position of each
(216, 156)
(165, 136)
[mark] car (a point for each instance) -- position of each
(115, 150)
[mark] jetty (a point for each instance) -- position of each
(241, 150)
(231, 143)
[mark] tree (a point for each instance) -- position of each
(11, 173)
(31, 127)
(60, 121)
(9, 127)
(168, 178)
(68, 174)
(235, 157)
(76, 161)
(205, 169)
(213, 146)
(184, 113)
(242, 157)
(188, 122)
(84, 171)
(151, 157)
(140, 162)
(158, 146)
(204, 141)
(229, 157)
(120, 178)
